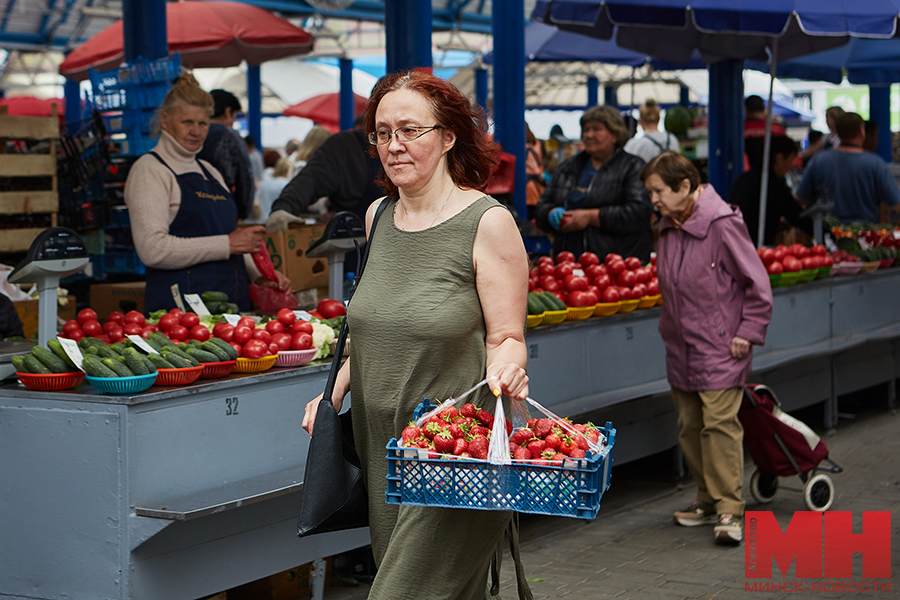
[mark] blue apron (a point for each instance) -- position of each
(206, 209)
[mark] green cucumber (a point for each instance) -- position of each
(176, 361)
(214, 296)
(228, 348)
(58, 350)
(134, 362)
(35, 366)
(160, 362)
(212, 348)
(120, 369)
(49, 360)
(160, 339)
(552, 302)
(93, 367)
(182, 355)
(151, 368)
(18, 362)
(203, 356)
(105, 351)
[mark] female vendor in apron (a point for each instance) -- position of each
(183, 217)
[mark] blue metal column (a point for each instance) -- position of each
(726, 124)
(684, 95)
(73, 104)
(593, 91)
(254, 104)
(481, 88)
(508, 28)
(144, 29)
(346, 94)
(407, 26)
(880, 113)
(611, 96)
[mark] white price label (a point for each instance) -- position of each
(176, 296)
(142, 343)
(578, 272)
(196, 304)
(303, 315)
(232, 319)
(72, 351)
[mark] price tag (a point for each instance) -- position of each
(196, 304)
(72, 351)
(578, 272)
(176, 296)
(232, 319)
(142, 344)
(302, 314)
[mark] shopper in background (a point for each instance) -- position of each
(270, 187)
(227, 152)
(447, 277)
(535, 181)
(595, 200)
(256, 159)
(183, 217)
(652, 141)
(855, 180)
(827, 142)
(780, 201)
(314, 138)
(717, 303)
(755, 131)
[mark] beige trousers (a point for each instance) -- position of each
(711, 438)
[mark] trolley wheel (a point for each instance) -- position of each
(818, 493)
(763, 487)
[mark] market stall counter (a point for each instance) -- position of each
(173, 493)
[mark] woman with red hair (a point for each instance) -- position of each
(439, 307)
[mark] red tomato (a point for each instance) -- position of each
(639, 290)
(273, 348)
(75, 334)
(283, 340)
(578, 298)
(632, 263)
(116, 335)
(560, 294)
(133, 316)
(546, 268)
(167, 322)
(766, 255)
(263, 335)
(774, 268)
(255, 349)
(653, 258)
(626, 279)
(179, 332)
(827, 261)
(808, 263)
(110, 325)
(575, 282)
(563, 269)
(237, 347)
(615, 267)
(218, 327)
(532, 284)
(791, 264)
(246, 322)
(593, 296)
(602, 281)
(147, 330)
(611, 258)
(152, 328)
(86, 314)
(132, 329)
(200, 333)
(226, 333)
(652, 288)
(588, 258)
(71, 326)
(286, 316)
(592, 271)
(625, 293)
(610, 294)
(189, 320)
(798, 250)
(177, 312)
(302, 327)
(242, 334)
(544, 260)
(117, 317)
(331, 308)
(565, 256)
(91, 327)
(301, 341)
(642, 274)
(818, 250)
(274, 327)
(780, 252)
(103, 338)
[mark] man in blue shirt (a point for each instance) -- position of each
(856, 181)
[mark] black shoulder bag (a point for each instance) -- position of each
(333, 496)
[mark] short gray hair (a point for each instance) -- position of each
(609, 117)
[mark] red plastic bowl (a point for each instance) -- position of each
(214, 370)
(178, 376)
(49, 382)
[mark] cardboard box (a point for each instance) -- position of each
(28, 314)
(110, 297)
(288, 252)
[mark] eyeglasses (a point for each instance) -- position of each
(403, 134)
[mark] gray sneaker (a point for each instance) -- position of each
(729, 529)
(698, 513)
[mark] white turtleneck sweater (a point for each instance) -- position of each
(153, 198)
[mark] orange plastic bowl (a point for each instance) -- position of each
(629, 305)
(606, 309)
(214, 370)
(255, 365)
(178, 376)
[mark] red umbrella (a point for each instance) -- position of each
(29, 106)
(324, 109)
(205, 34)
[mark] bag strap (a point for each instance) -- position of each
(342, 336)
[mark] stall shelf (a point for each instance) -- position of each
(177, 493)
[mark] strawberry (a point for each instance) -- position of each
(479, 430)
(558, 458)
(423, 442)
(478, 447)
(536, 447)
(444, 442)
(542, 428)
(581, 442)
(457, 431)
(448, 414)
(460, 447)
(521, 436)
(468, 410)
(509, 427)
(411, 432)
(530, 424)
(435, 419)
(567, 445)
(553, 441)
(465, 455)
(593, 433)
(522, 453)
(485, 417)
(579, 428)
(431, 429)
(577, 453)
(433, 454)
(512, 448)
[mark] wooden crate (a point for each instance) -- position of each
(27, 165)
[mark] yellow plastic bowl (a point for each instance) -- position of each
(579, 313)
(648, 301)
(255, 365)
(870, 267)
(659, 301)
(534, 320)
(554, 317)
(629, 305)
(606, 309)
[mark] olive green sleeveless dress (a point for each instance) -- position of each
(417, 331)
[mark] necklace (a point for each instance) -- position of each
(442, 208)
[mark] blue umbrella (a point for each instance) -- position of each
(866, 61)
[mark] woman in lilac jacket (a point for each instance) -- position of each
(717, 302)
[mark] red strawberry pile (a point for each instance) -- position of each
(466, 433)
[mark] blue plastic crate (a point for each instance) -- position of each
(571, 490)
(136, 143)
(123, 262)
(129, 120)
(142, 84)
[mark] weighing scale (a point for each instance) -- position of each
(817, 211)
(54, 254)
(343, 233)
